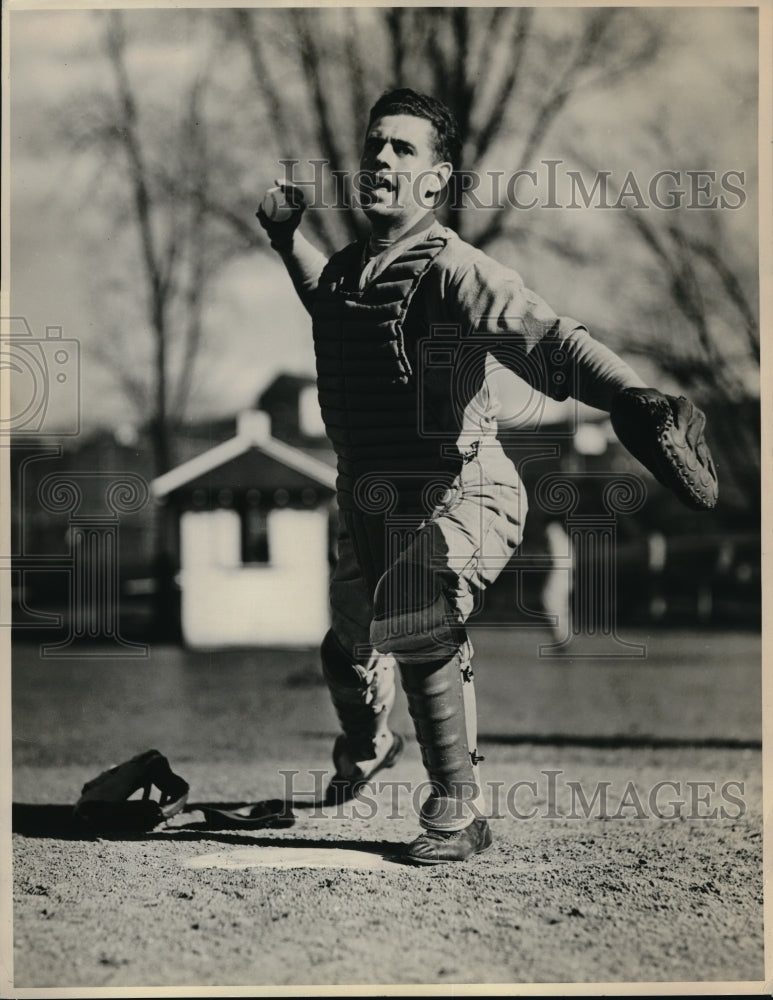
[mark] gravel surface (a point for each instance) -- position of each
(648, 882)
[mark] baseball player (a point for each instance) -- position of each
(404, 325)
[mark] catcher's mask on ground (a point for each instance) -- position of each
(104, 803)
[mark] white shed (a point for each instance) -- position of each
(254, 540)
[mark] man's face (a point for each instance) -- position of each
(399, 166)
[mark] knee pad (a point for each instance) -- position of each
(414, 621)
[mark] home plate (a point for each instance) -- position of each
(293, 857)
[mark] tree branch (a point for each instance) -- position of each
(395, 22)
(312, 69)
(281, 121)
(116, 41)
(734, 292)
(596, 26)
(520, 29)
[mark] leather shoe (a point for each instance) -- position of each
(344, 787)
(436, 847)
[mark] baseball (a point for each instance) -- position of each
(276, 205)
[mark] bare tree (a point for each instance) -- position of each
(504, 65)
(158, 255)
(492, 66)
(302, 89)
(719, 362)
(158, 167)
(701, 327)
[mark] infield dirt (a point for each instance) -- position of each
(648, 887)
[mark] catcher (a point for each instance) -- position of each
(431, 508)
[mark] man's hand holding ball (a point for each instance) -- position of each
(275, 205)
(280, 213)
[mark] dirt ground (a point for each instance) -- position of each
(648, 882)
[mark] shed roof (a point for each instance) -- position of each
(253, 458)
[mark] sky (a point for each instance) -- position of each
(53, 59)
(256, 326)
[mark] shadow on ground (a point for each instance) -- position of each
(59, 822)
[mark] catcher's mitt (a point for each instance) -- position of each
(103, 803)
(665, 433)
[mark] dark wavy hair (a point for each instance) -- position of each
(448, 141)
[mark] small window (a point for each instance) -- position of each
(255, 548)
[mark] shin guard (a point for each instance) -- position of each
(362, 695)
(441, 700)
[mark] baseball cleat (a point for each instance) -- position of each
(437, 847)
(351, 776)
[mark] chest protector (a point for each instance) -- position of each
(367, 382)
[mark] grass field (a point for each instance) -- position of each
(657, 878)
